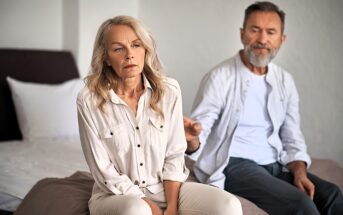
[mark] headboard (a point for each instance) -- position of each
(39, 66)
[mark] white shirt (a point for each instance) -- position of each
(250, 140)
(127, 154)
(218, 105)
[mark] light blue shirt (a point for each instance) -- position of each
(217, 107)
(250, 139)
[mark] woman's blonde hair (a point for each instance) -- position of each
(102, 78)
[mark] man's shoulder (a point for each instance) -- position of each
(280, 72)
(224, 68)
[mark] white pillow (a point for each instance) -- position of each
(46, 110)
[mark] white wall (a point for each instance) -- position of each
(31, 24)
(195, 35)
(91, 14)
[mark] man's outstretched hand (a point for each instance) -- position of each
(192, 131)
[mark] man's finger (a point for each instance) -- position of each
(311, 193)
(301, 187)
(196, 128)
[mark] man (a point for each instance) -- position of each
(251, 142)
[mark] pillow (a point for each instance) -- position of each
(46, 110)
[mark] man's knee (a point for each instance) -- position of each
(304, 205)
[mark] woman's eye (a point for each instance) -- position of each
(136, 45)
(118, 49)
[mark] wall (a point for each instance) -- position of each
(31, 24)
(91, 14)
(195, 35)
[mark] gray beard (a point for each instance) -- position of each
(259, 60)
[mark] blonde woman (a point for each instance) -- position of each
(132, 134)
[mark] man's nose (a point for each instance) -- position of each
(262, 37)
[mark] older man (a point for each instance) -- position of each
(252, 144)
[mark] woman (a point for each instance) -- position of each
(132, 134)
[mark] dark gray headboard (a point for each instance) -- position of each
(40, 66)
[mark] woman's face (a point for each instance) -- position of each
(125, 52)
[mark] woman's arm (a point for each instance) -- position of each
(171, 189)
(155, 210)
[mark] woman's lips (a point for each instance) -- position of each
(129, 66)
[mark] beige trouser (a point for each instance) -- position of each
(194, 199)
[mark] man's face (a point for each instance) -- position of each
(262, 37)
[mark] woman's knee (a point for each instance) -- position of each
(122, 205)
(136, 207)
(228, 204)
(207, 199)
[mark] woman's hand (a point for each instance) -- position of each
(154, 208)
(171, 211)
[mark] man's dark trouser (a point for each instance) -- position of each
(273, 190)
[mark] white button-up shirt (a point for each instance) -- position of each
(217, 107)
(129, 154)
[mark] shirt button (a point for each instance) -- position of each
(161, 126)
(137, 128)
(141, 164)
(105, 182)
(136, 182)
(111, 133)
(138, 145)
(143, 182)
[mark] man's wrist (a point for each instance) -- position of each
(297, 167)
(192, 149)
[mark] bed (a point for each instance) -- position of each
(28, 157)
(42, 172)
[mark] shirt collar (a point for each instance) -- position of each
(117, 100)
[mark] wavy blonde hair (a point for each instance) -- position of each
(102, 78)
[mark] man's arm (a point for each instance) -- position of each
(192, 131)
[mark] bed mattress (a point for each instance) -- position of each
(22, 163)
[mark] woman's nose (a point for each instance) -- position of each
(129, 55)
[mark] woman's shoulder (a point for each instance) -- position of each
(85, 95)
(172, 85)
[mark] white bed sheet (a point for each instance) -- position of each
(22, 164)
